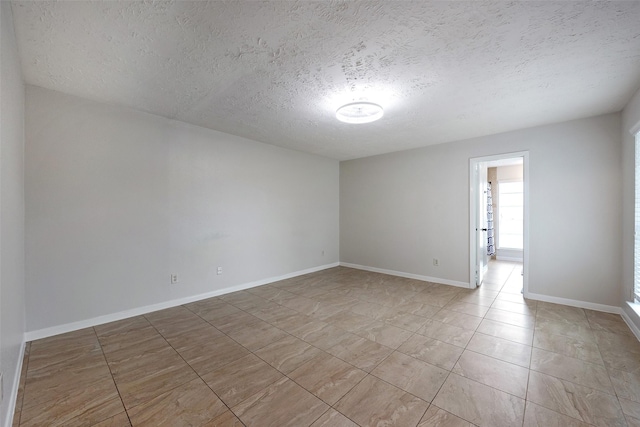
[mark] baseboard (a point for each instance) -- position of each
(632, 325)
(74, 326)
(407, 275)
(509, 258)
(575, 303)
(11, 408)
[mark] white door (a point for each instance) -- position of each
(481, 223)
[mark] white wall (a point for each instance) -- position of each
(12, 312)
(400, 210)
(630, 121)
(117, 200)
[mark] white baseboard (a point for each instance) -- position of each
(11, 408)
(632, 325)
(74, 326)
(575, 303)
(407, 275)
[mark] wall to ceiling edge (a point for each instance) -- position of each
(118, 200)
(398, 211)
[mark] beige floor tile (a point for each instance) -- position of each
(257, 335)
(349, 321)
(174, 321)
(509, 332)
(227, 419)
(234, 321)
(609, 322)
(495, 373)
(155, 382)
(582, 403)
(630, 408)
(287, 354)
(327, 377)
(436, 417)
(373, 402)
(633, 422)
(517, 298)
(319, 334)
(432, 351)
(333, 418)
(510, 318)
(502, 349)
(84, 405)
(360, 352)
(63, 378)
(479, 404)
(121, 326)
(216, 314)
(456, 318)
(620, 359)
(371, 310)
(538, 416)
(407, 321)
(418, 308)
(571, 369)
(467, 308)
(242, 299)
(136, 337)
(203, 334)
(284, 403)
(627, 385)
(447, 333)
(291, 322)
(192, 403)
(587, 351)
(208, 356)
(412, 375)
(552, 311)
(514, 307)
(238, 380)
(385, 334)
(478, 299)
(120, 420)
(64, 342)
(575, 329)
(608, 340)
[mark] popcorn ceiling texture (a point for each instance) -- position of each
(276, 71)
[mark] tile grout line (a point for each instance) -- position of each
(104, 356)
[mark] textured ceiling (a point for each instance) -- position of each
(276, 71)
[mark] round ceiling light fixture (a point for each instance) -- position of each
(359, 112)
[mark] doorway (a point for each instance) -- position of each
(484, 230)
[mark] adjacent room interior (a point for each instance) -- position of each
(269, 213)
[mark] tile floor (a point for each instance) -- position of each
(342, 347)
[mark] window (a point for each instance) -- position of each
(511, 219)
(636, 252)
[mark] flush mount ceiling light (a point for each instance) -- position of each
(359, 112)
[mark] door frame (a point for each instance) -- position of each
(473, 212)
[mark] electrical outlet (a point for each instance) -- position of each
(436, 262)
(174, 279)
(322, 253)
(219, 271)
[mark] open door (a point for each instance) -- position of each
(478, 218)
(481, 222)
